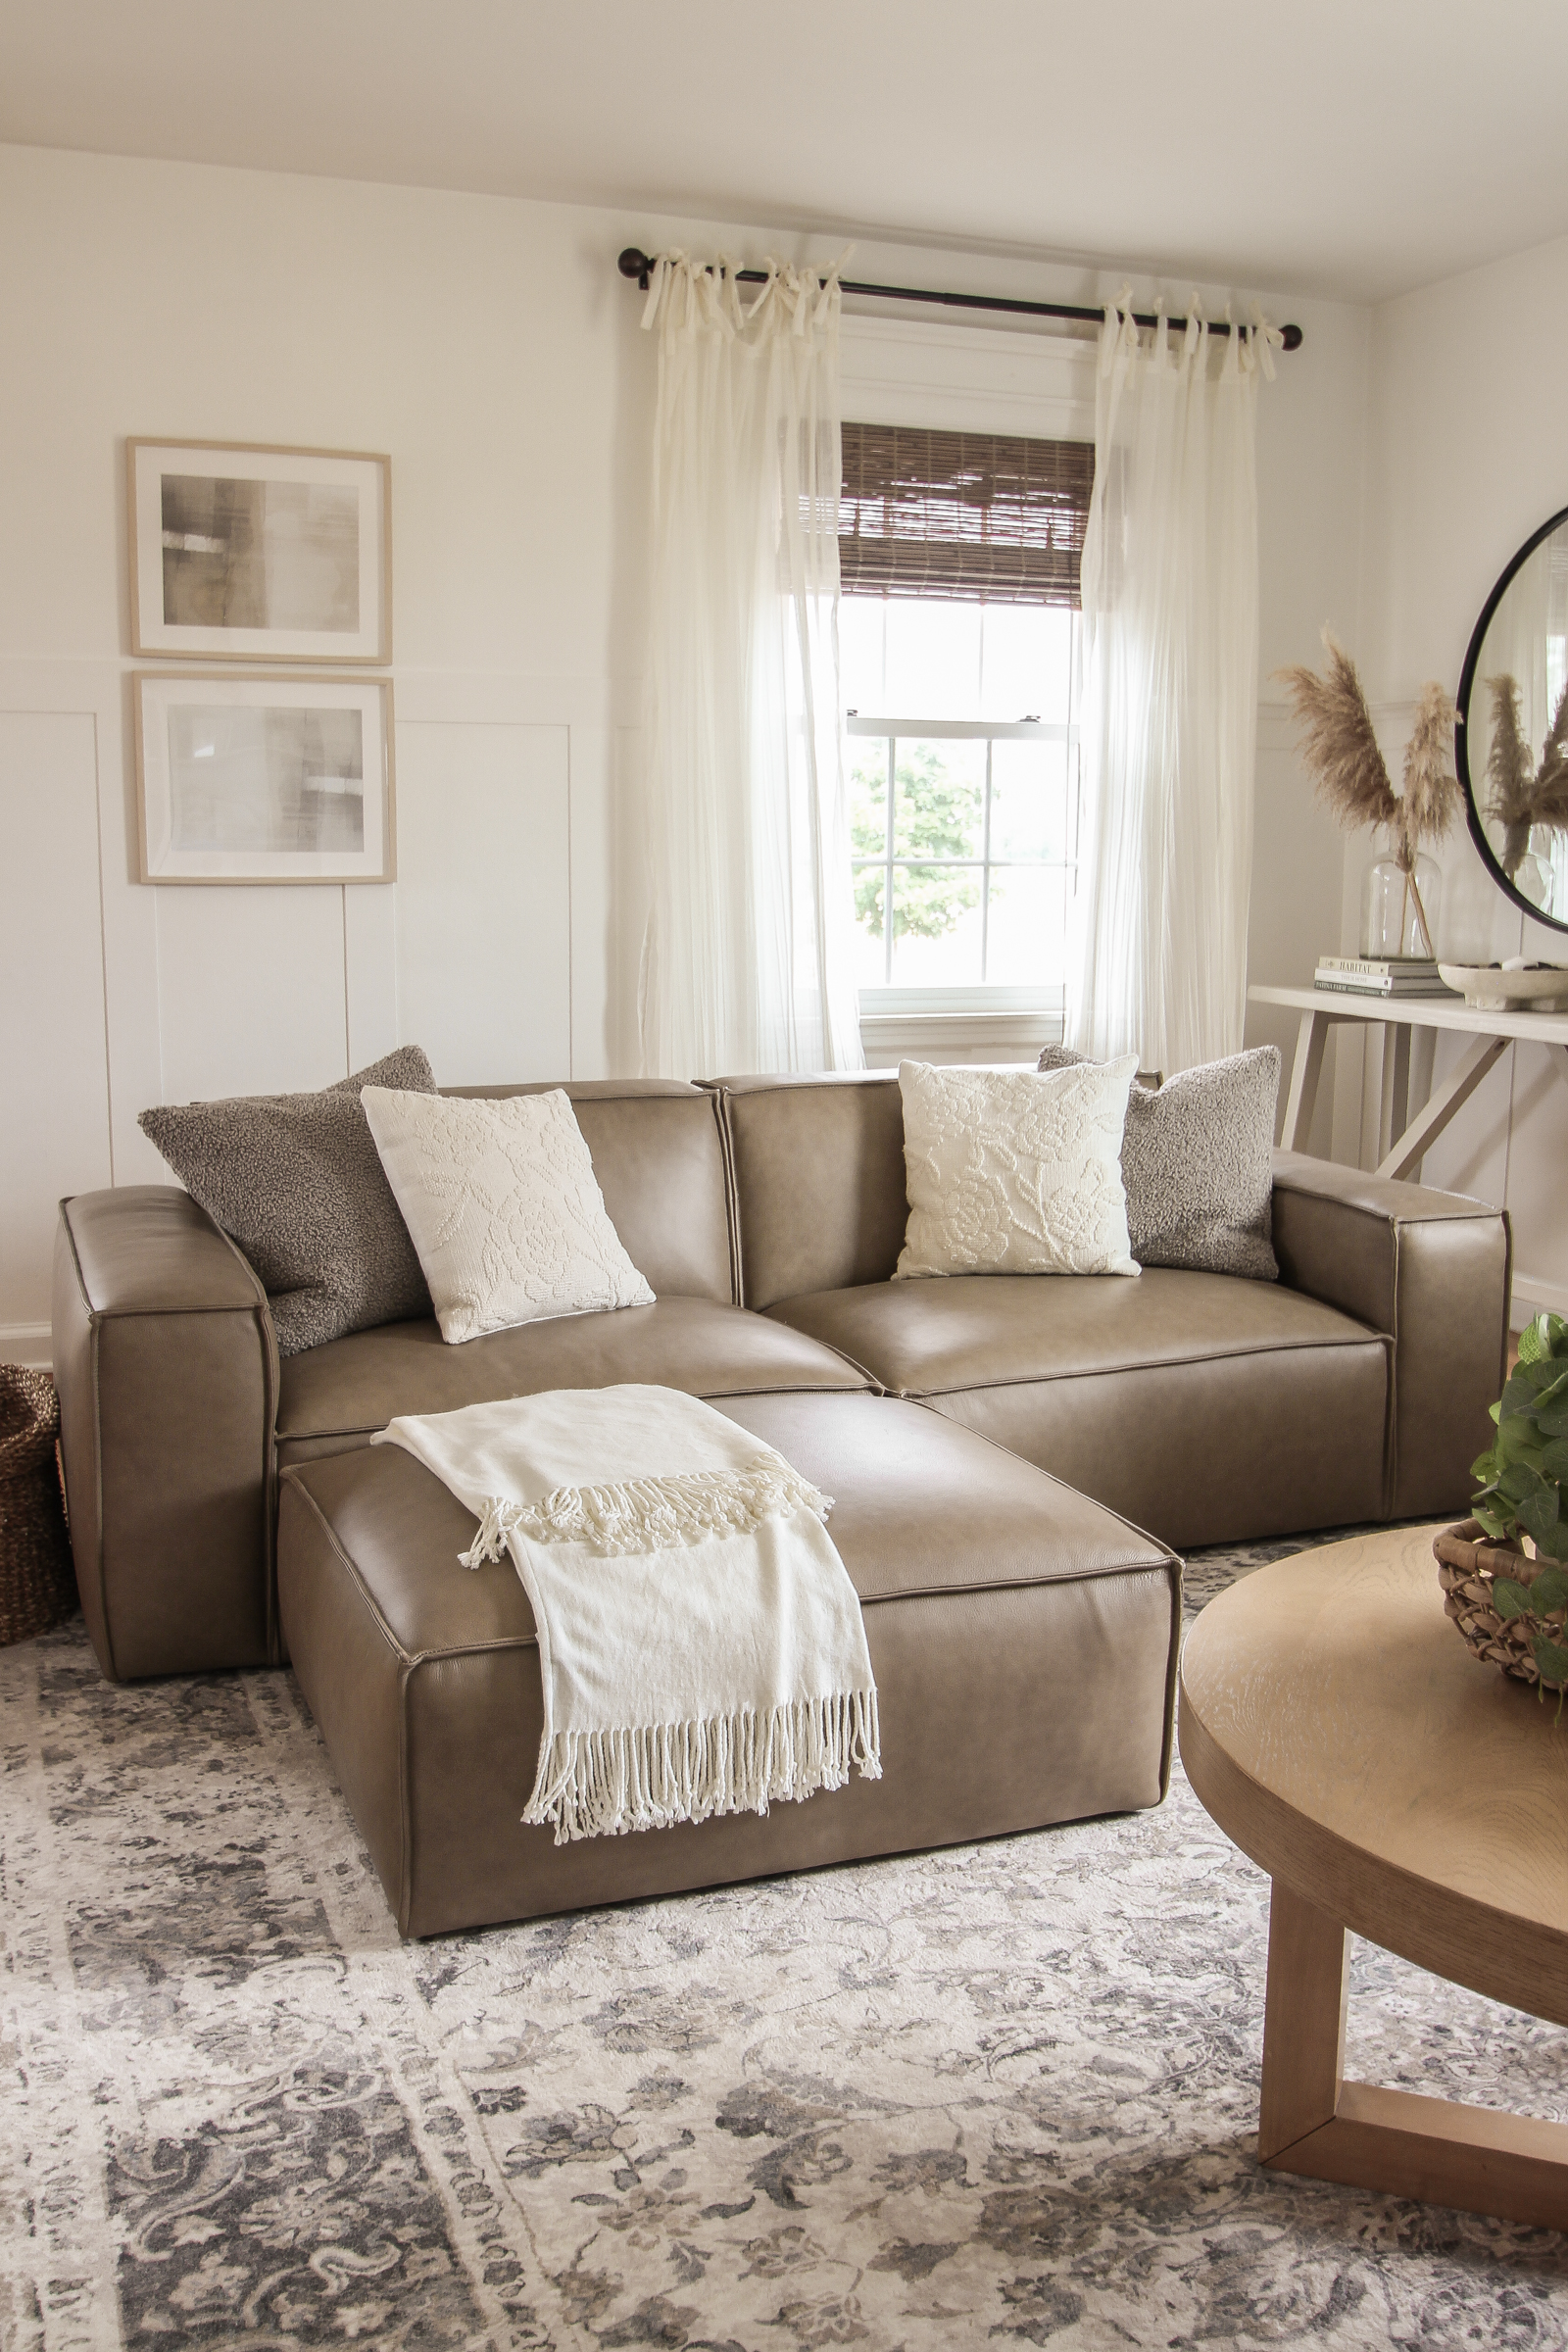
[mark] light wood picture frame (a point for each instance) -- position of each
(242, 778)
(250, 552)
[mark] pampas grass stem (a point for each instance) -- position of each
(1420, 914)
(1339, 745)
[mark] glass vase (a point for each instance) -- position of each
(1392, 905)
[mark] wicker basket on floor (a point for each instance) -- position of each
(37, 1583)
(1468, 1562)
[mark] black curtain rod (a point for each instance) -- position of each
(635, 264)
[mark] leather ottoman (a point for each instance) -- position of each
(1024, 1642)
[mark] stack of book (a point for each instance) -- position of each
(1381, 976)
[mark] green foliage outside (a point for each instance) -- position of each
(935, 815)
(1523, 1477)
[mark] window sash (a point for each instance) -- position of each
(893, 731)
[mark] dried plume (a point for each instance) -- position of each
(1430, 800)
(1552, 777)
(1522, 794)
(1510, 771)
(1338, 744)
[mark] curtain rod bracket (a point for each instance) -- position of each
(634, 263)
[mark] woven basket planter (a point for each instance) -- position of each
(1468, 1561)
(37, 1583)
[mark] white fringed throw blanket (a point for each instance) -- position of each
(700, 1640)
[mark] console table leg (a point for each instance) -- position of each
(1303, 2022)
(1395, 1108)
(1305, 1071)
(1423, 1131)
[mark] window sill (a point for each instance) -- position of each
(977, 1036)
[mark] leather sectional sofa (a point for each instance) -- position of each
(1015, 1461)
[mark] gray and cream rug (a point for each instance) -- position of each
(1001, 2093)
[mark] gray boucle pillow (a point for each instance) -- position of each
(1197, 1161)
(297, 1182)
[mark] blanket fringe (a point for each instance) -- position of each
(649, 1514)
(605, 1784)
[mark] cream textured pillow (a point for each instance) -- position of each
(1015, 1171)
(504, 1209)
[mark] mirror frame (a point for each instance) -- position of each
(1461, 748)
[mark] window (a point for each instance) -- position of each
(959, 640)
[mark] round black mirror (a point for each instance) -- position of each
(1511, 727)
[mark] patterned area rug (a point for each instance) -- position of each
(1003, 2092)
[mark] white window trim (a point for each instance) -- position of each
(952, 1025)
(964, 378)
(989, 1020)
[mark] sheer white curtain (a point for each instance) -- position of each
(1169, 709)
(748, 963)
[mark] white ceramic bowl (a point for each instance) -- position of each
(1494, 991)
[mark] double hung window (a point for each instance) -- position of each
(959, 642)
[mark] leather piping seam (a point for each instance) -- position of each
(272, 1391)
(400, 1662)
(1175, 1363)
(1478, 1214)
(92, 1314)
(1173, 1669)
(411, 1659)
(720, 1097)
(134, 1314)
(813, 1086)
(1390, 1427)
(335, 1544)
(308, 1437)
(1171, 1558)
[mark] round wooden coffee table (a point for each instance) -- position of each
(1337, 1728)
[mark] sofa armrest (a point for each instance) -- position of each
(167, 1367)
(1431, 1271)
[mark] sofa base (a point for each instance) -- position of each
(1024, 1643)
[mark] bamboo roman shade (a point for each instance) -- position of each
(995, 517)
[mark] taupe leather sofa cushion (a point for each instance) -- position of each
(1202, 1406)
(168, 1374)
(1023, 1642)
(820, 1182)
(658, 1150)
(334, 1397)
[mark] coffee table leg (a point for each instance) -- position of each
(1313, 2122)
(1303, 2022)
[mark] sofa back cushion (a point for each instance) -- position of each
(819, 1167)
(659, 1158)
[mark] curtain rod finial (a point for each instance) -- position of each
(1291, 337)
(633, 263)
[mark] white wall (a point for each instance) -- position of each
(1467, 454)
(489, 346)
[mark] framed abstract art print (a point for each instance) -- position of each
(259, 554)
(242, 778)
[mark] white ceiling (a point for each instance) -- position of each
(1344, 147)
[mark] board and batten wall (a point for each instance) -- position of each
(489, 347)
(1467, 455)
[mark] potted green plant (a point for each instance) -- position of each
(1511, 1602)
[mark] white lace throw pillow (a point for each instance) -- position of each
(1014, 1172)
(503, 1206)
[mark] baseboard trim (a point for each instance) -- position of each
(30, 1343)
(1530, 1292)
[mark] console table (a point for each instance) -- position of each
(1412, 1118)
